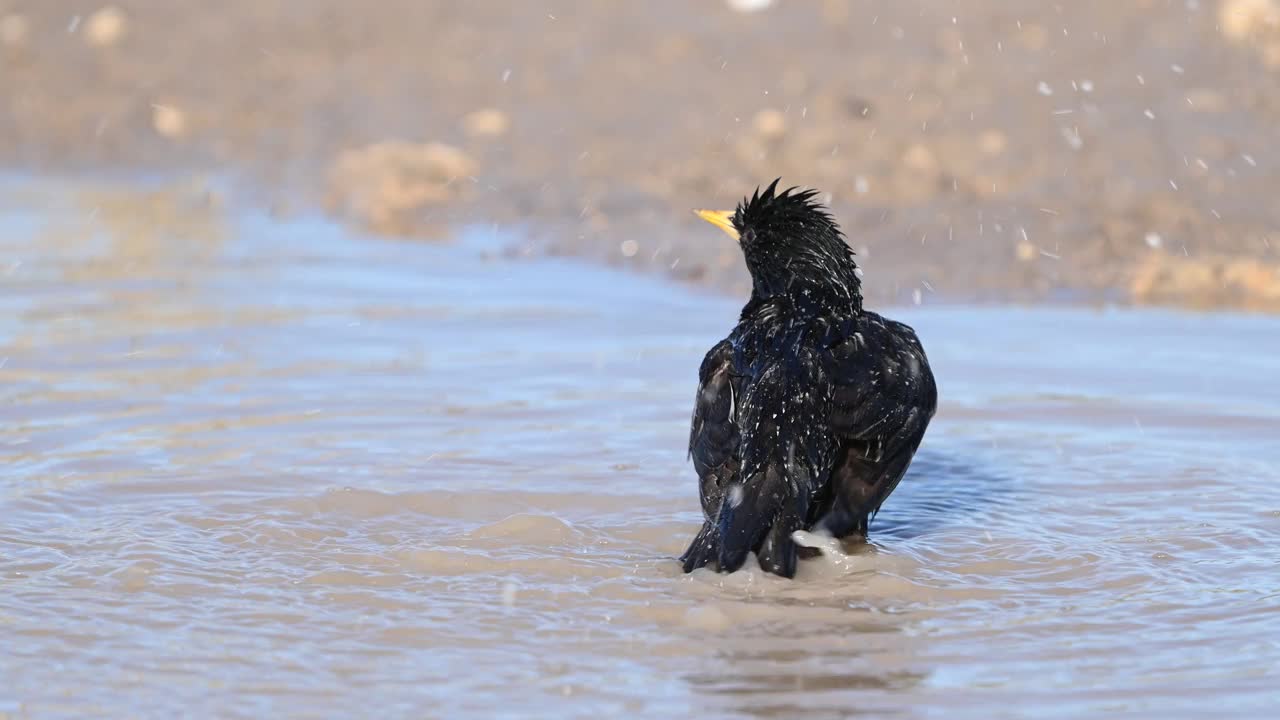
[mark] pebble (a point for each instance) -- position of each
(105, 27)
(749, 6)
(770, 124)
(14, 30)
(169, 121)
(486, 123)
(1241, 20)
(992, 142)
(920, 158)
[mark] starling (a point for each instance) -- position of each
(809, 412)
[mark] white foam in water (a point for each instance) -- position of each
(833, 553)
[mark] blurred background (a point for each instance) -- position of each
(1084, 150)
(347, 354)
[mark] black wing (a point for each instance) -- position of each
(884, 400)
(714, 446)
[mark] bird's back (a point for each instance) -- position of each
(787, 443)
(786, 390)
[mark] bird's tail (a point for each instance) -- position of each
(760, 515)
(786, 451)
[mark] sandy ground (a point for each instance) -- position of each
(974, 149)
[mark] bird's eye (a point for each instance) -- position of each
(748, 236)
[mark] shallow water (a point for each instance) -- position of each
(262, 468)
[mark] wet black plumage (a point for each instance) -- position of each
(809, 413)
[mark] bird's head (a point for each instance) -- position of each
(792, 246)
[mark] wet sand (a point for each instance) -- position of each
(270, 468)
(975, 150)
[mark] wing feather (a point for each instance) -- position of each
(714, 438)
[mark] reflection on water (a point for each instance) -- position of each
(263, 468)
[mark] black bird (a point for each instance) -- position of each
(809, 413)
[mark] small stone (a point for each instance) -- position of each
(770, 124)
(749, 6)
(1154, 240)
(168, 120)
(486, 123)
(14, 30)
(629, 248)
(920, 158)
(1241, 20)
(105, 27)
(992, 142)
(1026, 251)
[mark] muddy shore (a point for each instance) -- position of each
(974, 150)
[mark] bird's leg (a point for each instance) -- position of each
(702, 550)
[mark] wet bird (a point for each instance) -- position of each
(809, 412)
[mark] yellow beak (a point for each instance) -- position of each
(722, 219)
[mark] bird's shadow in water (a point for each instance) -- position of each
(942, 490)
